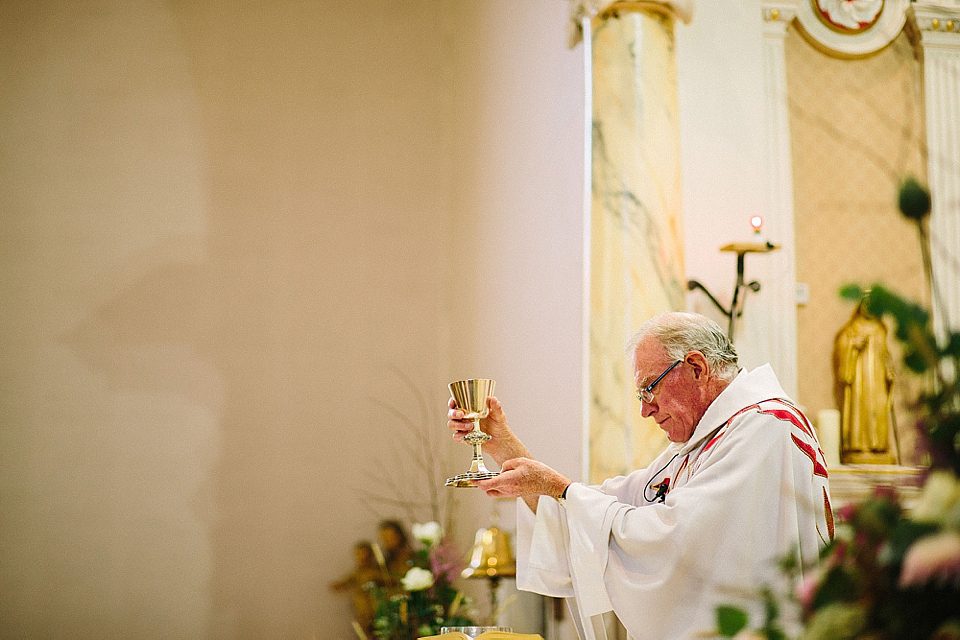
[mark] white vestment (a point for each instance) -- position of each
(748, 488)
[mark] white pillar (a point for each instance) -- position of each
(938, 25)
(777, 270)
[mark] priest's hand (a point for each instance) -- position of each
(525, 478)
(494, 425)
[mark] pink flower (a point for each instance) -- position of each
(807, 589)
(445, 561)
(846, 512)
(934, 557)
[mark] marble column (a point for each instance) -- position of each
(938, 26)
(634, 220)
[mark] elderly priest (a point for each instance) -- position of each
(742, 484)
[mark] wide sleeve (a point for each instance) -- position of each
(546, 543)
(543, 564)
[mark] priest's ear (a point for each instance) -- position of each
(698, 364)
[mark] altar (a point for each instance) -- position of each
(854, 483)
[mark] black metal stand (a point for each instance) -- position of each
(740, 286)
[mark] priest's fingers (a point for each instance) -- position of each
(496, 421)
(456, 422)
(495, 424)
(498, 487)
(518, 477)
(525, 477)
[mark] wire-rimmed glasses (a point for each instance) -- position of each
(646, 394)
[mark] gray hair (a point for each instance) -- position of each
(680, 333)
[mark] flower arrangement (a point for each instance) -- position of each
(425, 597)
(889, 572)
(413, 592)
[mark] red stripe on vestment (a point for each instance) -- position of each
(789, 416)
(818, 469)
(809, 427)
(828, 510)
(713, 440)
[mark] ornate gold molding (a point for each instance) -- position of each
(604, 9)
(777, 16)
(638, 6)
(779, 11)
(929, 17)
(858, 43)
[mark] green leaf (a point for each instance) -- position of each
(905, 534)
(730, 620)
(837, 586)
(851, 292)
(915, 362)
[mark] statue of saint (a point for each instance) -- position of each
(863, 370)
(365, 575)
(396, 549)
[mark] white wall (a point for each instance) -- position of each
(225, 228)
(720, 78)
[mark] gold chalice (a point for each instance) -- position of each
(471, 396)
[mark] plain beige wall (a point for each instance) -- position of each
(864, 119)
(236, 236)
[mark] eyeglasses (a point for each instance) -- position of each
(646, 394)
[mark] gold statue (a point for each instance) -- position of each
(365, 575)
(863, 370)
(395, 549)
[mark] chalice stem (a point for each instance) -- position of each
(479, 437)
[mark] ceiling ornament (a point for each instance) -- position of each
(851, 28)
(849, 16)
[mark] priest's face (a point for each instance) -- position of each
(676, 400)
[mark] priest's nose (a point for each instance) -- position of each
(647, 409)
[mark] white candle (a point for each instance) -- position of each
(828, 431)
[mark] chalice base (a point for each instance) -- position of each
(465, 480)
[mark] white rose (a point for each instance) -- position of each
(940, 493)
(417, 579)
(428, 533)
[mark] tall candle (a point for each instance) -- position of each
(828, 431)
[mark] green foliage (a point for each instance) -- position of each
(914, 199)
(771, 626)
(405, 610)
(405, 615)
(730, 620)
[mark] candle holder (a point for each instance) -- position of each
(740, 287)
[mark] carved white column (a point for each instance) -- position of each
(777, 270)
(938, 24)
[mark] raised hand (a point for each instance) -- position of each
(494, 425)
